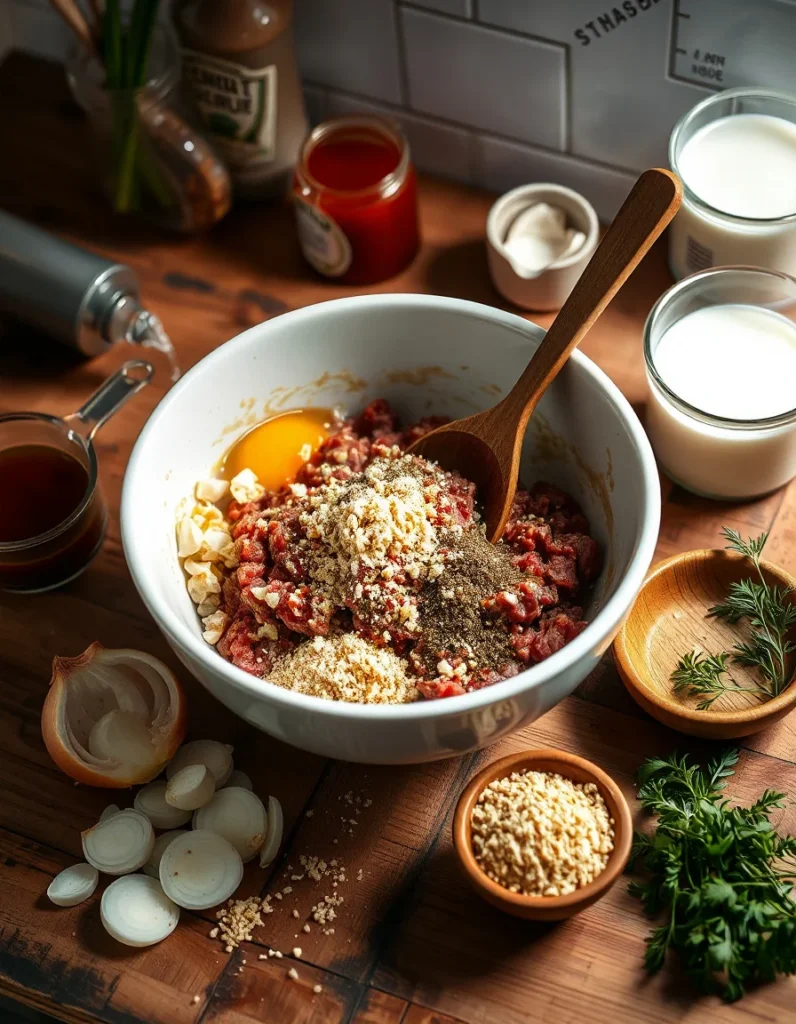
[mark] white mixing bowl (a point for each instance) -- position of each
(425, 354)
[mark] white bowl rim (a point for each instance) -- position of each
(604, 624)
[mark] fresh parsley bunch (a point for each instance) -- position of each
(720, 876)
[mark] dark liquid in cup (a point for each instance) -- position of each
(40, 487)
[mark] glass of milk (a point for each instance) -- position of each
(736, 155)
(720, 352)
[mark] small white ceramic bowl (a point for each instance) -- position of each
(547, 289)
(426, 354)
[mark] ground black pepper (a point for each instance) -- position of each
(452, 620)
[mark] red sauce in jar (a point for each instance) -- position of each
(356, 200)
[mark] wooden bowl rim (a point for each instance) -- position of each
(561, 761)
(635, 681)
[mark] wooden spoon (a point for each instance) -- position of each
(486, 447)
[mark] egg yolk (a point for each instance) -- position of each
(276, 449)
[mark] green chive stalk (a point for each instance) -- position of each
(126, 47)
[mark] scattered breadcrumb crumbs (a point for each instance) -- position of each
(293, 974)
(306, 928)
(297, 952)
(317, 989)
(541, 834)
(263, 956)
(196, 999)
(237, 920)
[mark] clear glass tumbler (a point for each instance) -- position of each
(717, 456)
(701, 236)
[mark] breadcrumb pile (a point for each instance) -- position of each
(346, 667)
(540, 834)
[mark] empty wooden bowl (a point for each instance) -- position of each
(669, 619)
(544, 908)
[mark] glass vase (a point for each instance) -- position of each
(151, 159)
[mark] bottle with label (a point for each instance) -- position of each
(239, 65)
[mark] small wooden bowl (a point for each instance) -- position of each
(669, 619)
(544, 908)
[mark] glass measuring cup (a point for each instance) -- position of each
(51, 463)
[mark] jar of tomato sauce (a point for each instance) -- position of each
(355, 193)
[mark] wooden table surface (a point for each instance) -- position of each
(411, 944)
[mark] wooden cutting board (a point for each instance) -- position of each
(411, 944)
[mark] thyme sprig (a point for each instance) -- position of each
(770, 614)
(719, 874)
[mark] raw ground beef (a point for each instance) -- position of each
(273, 604)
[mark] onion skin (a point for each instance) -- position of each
(53, 726)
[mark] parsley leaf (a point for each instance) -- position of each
(719, 873)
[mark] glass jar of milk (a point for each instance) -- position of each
(736, 155)
(720, 352)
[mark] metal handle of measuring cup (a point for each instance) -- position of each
(111, 396)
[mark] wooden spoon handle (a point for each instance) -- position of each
(649, 207)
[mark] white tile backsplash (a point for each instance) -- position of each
(351, 45)
(459, 8)
(316, 101)
(497, 92)
(484, 78)
(622, 103)
(502, 165)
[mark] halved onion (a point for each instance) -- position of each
(73, 885)
(136, 911)
(152, 866)
(239, 816)
(109, 812)
(273, 834)
(241, 779)
(151, 801)
(217, 757)
(112, 718)
(121, 844)
(191, 787)
(200, 869)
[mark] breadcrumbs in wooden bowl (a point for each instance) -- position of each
(542, 834)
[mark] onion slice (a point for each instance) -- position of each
(273, 834)
(217, 758)
(240, 779)
(73, 885)
(136, 911)
(239, 816)
(200, 869)
(152, 866)
(121, 844)
(112, 718)
(191, 787)
(109, 812)
(151, 801)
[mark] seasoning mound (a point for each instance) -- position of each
(451, 609)
(346, 668)
(386, 548)
(540, 834)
